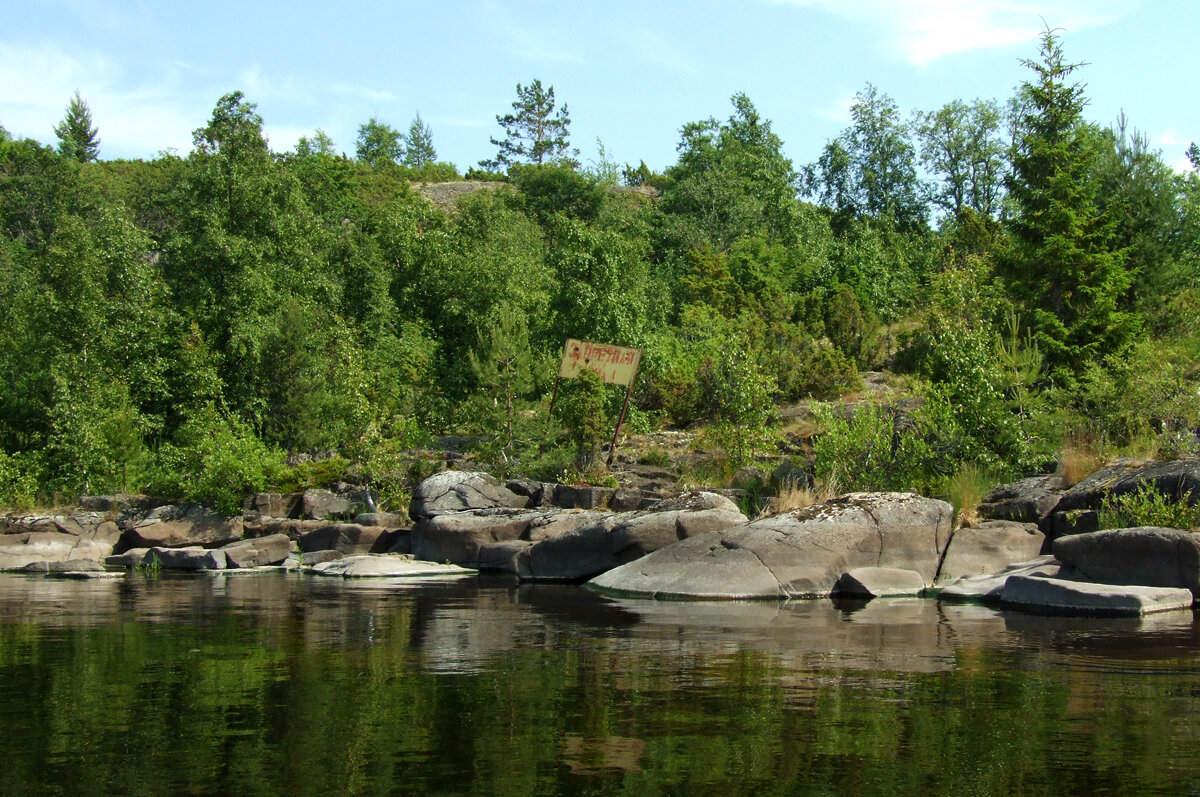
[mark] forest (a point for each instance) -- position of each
(189, 326)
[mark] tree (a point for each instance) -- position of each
(78, 139)
(961, 145)
(379, 143)
(1062, 267)
(419, 152)
(870, 169)
(533, 132)
(319, 144)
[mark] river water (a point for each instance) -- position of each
(296, 685)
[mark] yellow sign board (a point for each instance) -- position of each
(616, 365)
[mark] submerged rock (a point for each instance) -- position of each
(387, 566)
(799, 554)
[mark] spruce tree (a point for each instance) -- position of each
(1063, 268)
(78, 139)
(419, 152)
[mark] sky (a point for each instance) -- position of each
(631, 72)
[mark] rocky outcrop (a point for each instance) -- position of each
(258, 552)
(798, 554)
(42, 539)
(459, 491)
(348, 538)
(1051, 594)
(322, 504)
(1076, 511)
(178, 526)
(988, 547)
(879, 582)
(1025, 501)
(1144, 556)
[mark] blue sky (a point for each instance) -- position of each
(632, 73)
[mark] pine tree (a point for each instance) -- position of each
(1063, 267)
(78, 139)
(533, 133)
(419, 152)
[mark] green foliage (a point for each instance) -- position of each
(419, 151)
(1064, 268)
(533, 132)
(379, 144)
(20, 477)
(586, 417)
(78, 139)
(1148, 507)
(215, 457)
(502, 364)
(739, 396)
(962, 145)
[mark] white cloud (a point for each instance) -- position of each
(922, 31)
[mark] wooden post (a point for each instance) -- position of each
(612, 450)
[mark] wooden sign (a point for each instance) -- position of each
(616, 365)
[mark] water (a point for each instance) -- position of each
(286, 684)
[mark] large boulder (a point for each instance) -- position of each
(60, 542)
(183, 526)
(1025, 501)
(1145, 556)
(593, 548)
(798, 554)
(190, 558)
(258, 552)
(989, 588)
(465, 538)
(458, 491)
(1049, 594)
(988, 547)
(1176, 479)
(879, 582)
(347, 539)
(319, 504)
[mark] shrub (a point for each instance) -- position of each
(1148, 507)
(19, 477)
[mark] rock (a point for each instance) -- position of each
(365, 566)
(1074, 521)
(457, 491)
(567, 496)
(193, 558)
(278, 505)
(628, 500)
(131, 558)
(292, 529)
(347, 538)
(990, 588)
(105, 503)
(796, 554)
(177, 527)
(62, 566)
(321, 504)
(317, 557)
(788, 474)
(1025, 501)
(19, 550)
(530, 489)
(86, 574)
(258, 552)
(401, 542)
(387, 520)
(1144, 556)
(1053, 595)
(989, 547)
(1175, 479)
(462, 537)
(879, 582)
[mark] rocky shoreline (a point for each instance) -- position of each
(1037, 549)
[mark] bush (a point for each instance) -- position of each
(1148, 507)
(19, 477)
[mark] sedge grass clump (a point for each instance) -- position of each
(1080, 457)
(965, 489)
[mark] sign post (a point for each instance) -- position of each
(615, 365)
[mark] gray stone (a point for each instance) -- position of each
(62, 566)
(1025, 501)
(367, 566)
(1074, 521)
(258, 552)
(462, 537)
(532, 490)
(1145, 556)
(318, 557)
(347, 538)
(988, 547)
(989, 588)
(1175, 479)
(131, 558)
(320, 504)
(796, 554)
(456, 491)
(278, 505)
(387, 520)
(193, 558)
(86, 574)
(568, 496)
(879, 582)
(177, 527)
(292, 529)
(1054, 595)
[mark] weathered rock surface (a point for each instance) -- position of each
(1145, 556)
(181, 526)
(463, 537)
(17, 550)
(387, 520)
(317, 557)
(131, 558)
(320, 504)
(192, 558)
(277, 505)
(458, 491)
(797, 554)
(989, 547)
(1176, 479)
(347, 539)
(367, 566)
(1025, 501)
(1043, 593)
(989, 588)
(258, 552)
(879, 582)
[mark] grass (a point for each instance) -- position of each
(965, 489)
(1080, 457)
(793, 496)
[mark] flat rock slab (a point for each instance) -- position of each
(1144, 556)
(88, 574)
(990, 588)
(387, 566)
(799, 554)
(989, 547)
(1052, 595)
(879, 582)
